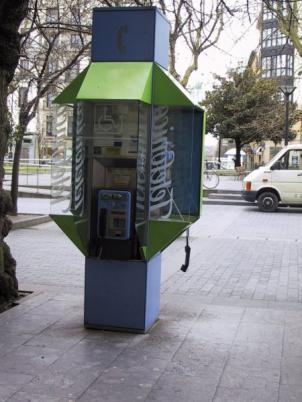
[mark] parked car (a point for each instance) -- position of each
(277, 183)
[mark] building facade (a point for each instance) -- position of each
(55, 49)
(279, 60)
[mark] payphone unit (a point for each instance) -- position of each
(114, 214)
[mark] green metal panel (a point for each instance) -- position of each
(117, 81)
(126, 81)
(75, 228)
(111, 81)
(168, 91)
(162, 233)
(69, 94)
(202, 157)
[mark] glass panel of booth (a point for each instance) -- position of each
(113, 151)
(109, 152)
(175, 164)
(134, 169)
(61, 162)
(69, 173)
(142, 176)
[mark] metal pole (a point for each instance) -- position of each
(287, 90)
(219, 152)
(286, 95)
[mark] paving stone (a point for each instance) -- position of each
(70, 384)
(258, 355)
(236, 376)
(177, 388)
(26, 397)
(153, 346)
(90, 356)
(203, 353)
(268, 394)
(261, 316)
(292, 346)
(257, 333)
(114, 393)
(28, 324)
(60, 342)
(131, 375)
(29, 360)
(10, 341)
(291, 370)
(11, 382)
(290, 393)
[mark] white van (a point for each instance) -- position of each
(277, 183)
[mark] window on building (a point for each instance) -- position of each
(277, 66)
(53, 38)
(277, 7)
(76, 14)
(75, 40)
(49, 125)
(67, 76)
(272, 37)
(69, 125)
(266, 67)
(267, 14)
(24, 64)
(21, 96)
(72, 73)
(52, 66)
(52, 15)
(273, 151)
(49, 99)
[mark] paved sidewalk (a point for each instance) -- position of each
(229, 329)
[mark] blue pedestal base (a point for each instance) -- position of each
(122, 295)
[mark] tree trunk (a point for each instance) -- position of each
(238, 156)
(8, 281)
(15, 173)
(12, 12)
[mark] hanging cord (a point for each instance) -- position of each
(185, 266)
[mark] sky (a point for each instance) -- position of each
(238, 39)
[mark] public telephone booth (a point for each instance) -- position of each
(135, 171)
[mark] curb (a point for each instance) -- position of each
(221, 191)
(222, 202)
(27, 194)
(26, 223)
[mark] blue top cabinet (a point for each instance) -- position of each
(134, 34)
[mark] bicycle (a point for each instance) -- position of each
(210, 179)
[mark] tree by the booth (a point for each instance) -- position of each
(45, 59)
(53, 43)
(246, 109)
(12, 12)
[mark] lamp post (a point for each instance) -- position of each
(287, 90)
(216, 131)
(219, 152)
